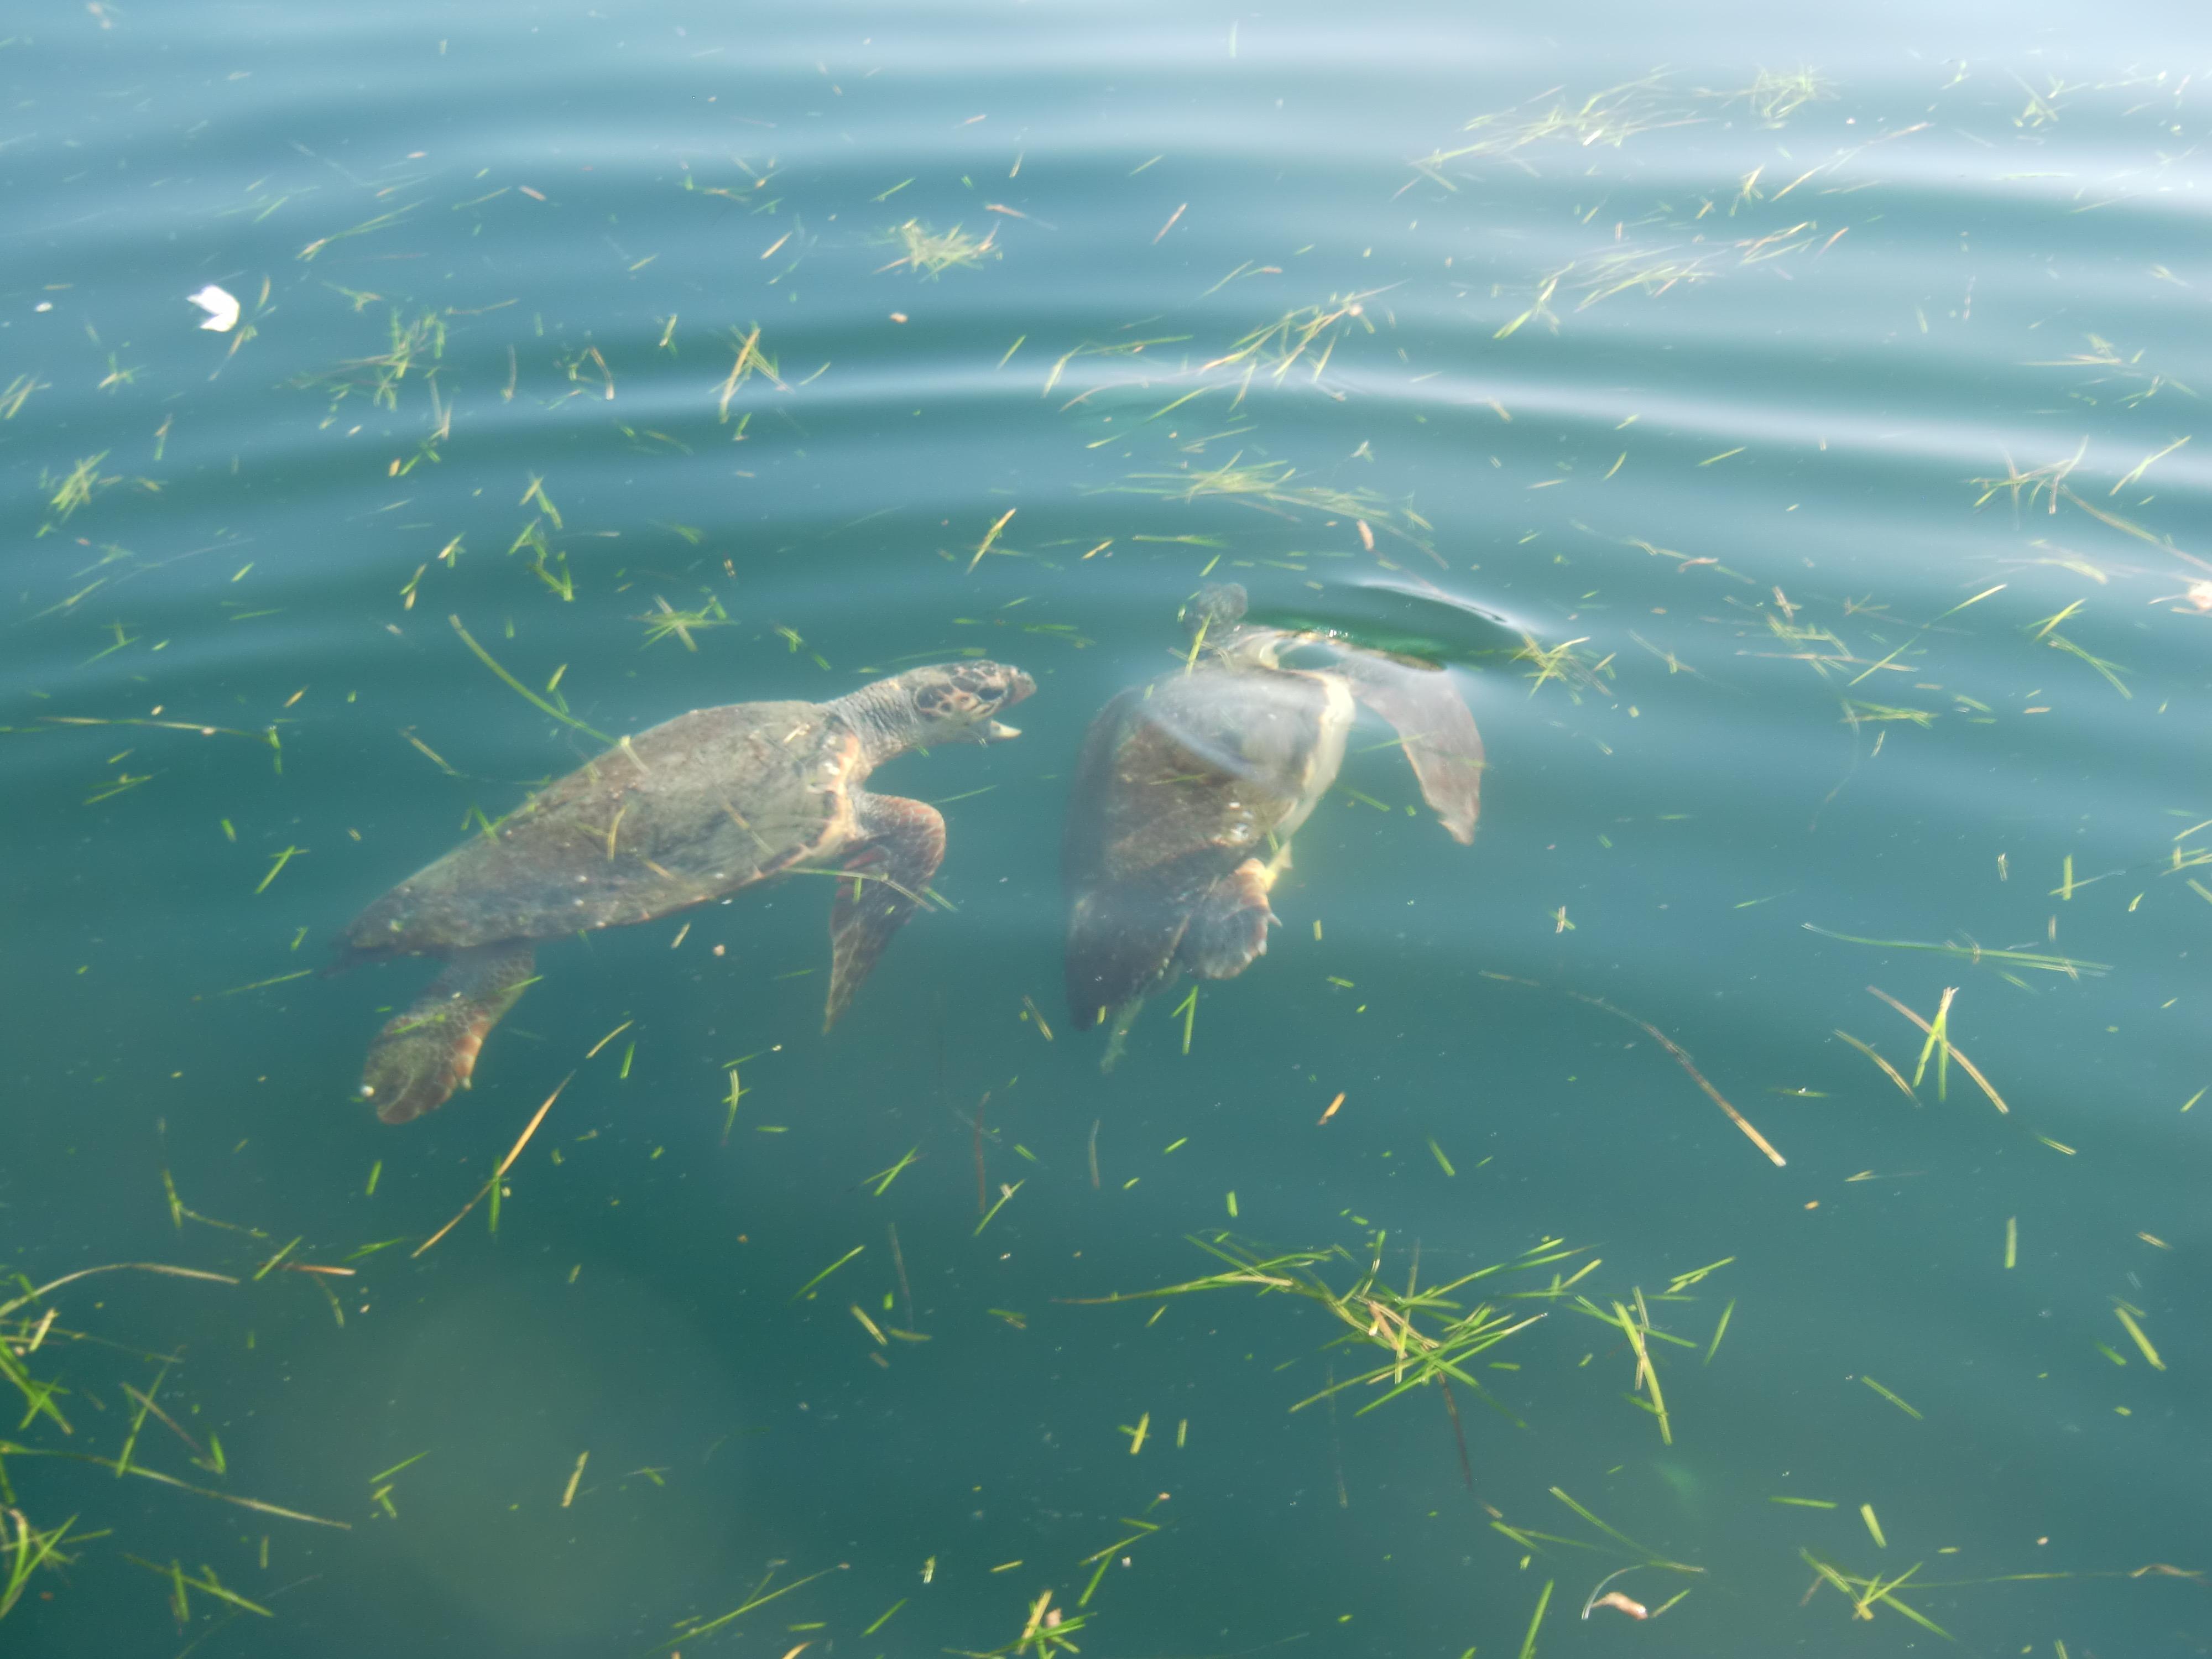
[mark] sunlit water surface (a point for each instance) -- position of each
(1783, 428)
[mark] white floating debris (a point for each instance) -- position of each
(221, 308)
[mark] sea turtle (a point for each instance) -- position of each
(691, 811)
(1189, 788)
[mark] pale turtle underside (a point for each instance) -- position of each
(1179, 785)
(1189, 790)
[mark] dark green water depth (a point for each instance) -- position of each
(1784, 428)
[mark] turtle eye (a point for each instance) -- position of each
(946, 703)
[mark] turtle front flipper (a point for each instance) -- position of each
(1435, 728)
(905, 844)
(429, 1048)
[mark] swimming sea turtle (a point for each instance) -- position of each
(693, 810)
(1185, 784)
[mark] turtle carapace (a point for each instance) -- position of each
(692, 810)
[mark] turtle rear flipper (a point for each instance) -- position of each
(1127, 939)
(1122, 943)
(1435, 729)
(1229, 926)
(905, 844)
(429, 1048)
(1117, 960)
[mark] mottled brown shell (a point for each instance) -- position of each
(691, 811)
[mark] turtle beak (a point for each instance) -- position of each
(1019, 686)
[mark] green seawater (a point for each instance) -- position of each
(1781, 422)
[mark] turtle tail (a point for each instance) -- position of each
(429, 1048)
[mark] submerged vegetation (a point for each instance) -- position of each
(1610, 119)
(930, 253)
(35, 1336)
(1429, 1333)
(1775, 95)
(415, 347)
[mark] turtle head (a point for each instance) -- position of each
(1215, 612)
(955, 703)
(1213, 624)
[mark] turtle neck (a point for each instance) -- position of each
(883, 714)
